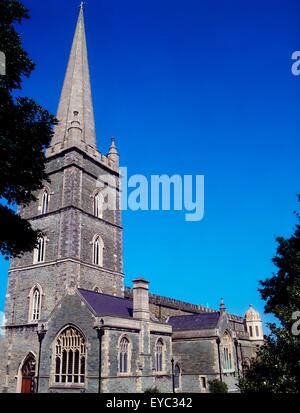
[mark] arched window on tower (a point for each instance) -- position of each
(124, 355)
(45, 202)
(36, 303)
(98, 247)
(159, 355)
(70, 357)
(98, 205)
(39, 251)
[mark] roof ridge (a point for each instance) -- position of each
(196, 315)
(108, 295)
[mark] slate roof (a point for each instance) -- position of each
(104, 304)
(202, 321)
(109, 305)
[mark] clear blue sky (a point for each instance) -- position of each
(190, 87)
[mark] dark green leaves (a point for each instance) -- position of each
(25, 132)
(277, 368)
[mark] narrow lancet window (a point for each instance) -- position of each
(98, 247)
(45, 202)
(159, 355)
(123, 355)
(35, 304)
(98, 205)
(39, 251)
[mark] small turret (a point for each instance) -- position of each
(253, 324)
(222, 306)
(113, 152)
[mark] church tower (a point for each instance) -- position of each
(77, 210)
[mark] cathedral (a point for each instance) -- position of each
(71, 326)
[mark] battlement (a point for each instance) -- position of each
(172, 303)
(85, 148)
(235, 318)
(181, 306)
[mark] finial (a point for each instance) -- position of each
(222, 306)
(82, 4)
(113, 149)
(113, 152)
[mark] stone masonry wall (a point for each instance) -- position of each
(17, 344)
(54, 280)
(71, 311)
(69, 227)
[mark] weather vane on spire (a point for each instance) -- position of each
(82, 3)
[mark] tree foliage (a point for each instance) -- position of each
(26, 129)
(217, 386)
(152, 390)
(277, 367)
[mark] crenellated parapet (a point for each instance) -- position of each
(87, 149)
(172, 304)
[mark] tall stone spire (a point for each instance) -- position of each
(75, 113)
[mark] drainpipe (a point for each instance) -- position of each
(236, 343)
(41, 334)
(173, 377)
(242, 357)
(218, 341)
(100, 333)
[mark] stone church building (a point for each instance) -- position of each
(71, 325)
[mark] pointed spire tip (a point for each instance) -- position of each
(81, 5)
(75, 106)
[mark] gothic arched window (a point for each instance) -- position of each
(177, 377)
(70, 357)
(98, 247)
(45, 202)
(98, 205)
(159, 356)
(124, 355)
(227, 352)
(39, 251)
(35, 304)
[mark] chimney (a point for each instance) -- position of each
(141, 299)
